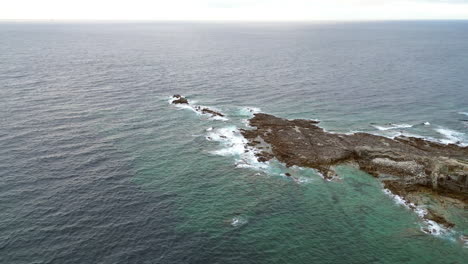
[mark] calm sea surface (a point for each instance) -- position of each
(97, 167)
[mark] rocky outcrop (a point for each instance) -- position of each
(178, 99)
(413, 164)
(208, 111)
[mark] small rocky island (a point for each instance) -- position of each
(419, 171)
(178, 99)
(407, 166)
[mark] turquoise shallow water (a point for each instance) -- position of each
(97, 167)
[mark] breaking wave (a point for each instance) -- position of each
(238, 221)
(249, 111)
(427, 226)
(452, 136)
(392, 126)
(234, 144)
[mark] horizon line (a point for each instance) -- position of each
(231, 20)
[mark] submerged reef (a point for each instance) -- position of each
(407, 166)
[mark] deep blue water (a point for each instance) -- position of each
(97, 167)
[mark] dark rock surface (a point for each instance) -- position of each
(205, 110)
(178, 99)
(414, 164)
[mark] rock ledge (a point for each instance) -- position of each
(406, 165)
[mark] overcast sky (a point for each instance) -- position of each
(234, 9)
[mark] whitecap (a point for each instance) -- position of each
(392, 126)
(463, 113)
(451, 136)
(238, 221)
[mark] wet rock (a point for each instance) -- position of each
(211, 112)
(416, 164)
(205, 110)
(432, 215)
(178, 99)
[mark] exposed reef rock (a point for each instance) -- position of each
(205, 110)
(405, 164)
(178, 99)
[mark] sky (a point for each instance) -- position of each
(243, 10)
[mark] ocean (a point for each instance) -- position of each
(96, 166)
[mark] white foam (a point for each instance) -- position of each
(406, 134)
(451, 136)
(249, 111)
(297, 179)
(172, 99)
(238, 221)
(302, 180)
(181, 106)
(428, 226)
(220, 118)
(234, 144)
(334, 178)
(463, 113)
(393, 126)
(464, 240)
(197, 109)
(426, 123)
